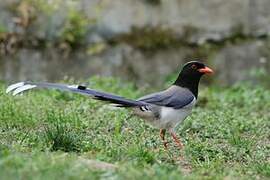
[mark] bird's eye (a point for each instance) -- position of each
(194, 66)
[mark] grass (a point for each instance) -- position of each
(46, 134)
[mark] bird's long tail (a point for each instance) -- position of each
(103, 96)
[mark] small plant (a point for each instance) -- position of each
(62, 136)
(75, 28)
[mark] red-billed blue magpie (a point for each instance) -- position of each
(164, 110)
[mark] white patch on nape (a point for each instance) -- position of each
(23, 88)
(14, 86)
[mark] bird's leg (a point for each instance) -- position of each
(162, 136)
(177, 140)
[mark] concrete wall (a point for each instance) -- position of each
(232, 36)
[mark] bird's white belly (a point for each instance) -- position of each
(171, 117)
(167, 117)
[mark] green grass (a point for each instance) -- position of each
(46, 134)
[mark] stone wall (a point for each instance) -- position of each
(131, 38)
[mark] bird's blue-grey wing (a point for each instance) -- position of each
(175, 97)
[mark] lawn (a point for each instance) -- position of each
(52, 135)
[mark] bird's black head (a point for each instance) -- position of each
(191, 74)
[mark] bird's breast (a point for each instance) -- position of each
(170, 117)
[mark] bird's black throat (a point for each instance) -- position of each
(189, 81)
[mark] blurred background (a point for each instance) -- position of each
(145, 41)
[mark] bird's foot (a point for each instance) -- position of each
(165, 144)
(177, 141)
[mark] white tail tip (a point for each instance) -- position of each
(14, 86)
(23, 88)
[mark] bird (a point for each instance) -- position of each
(164, 110)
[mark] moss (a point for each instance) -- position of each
(75, 28)
(149, 39)
(3, 35)
(153, 2)
(156, 38)
(96, 48)
(237, 36)
(72, 33)
(3, 29)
